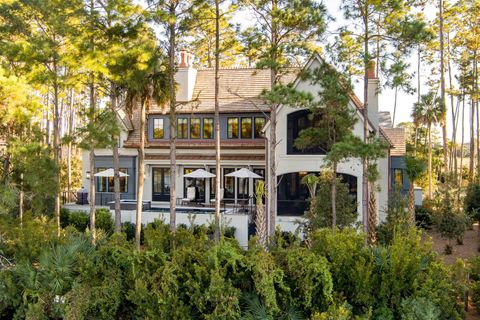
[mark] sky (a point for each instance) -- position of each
(405, 101)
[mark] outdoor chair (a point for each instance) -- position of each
(190, 195)
(222, 191)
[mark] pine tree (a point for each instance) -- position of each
(283, 28)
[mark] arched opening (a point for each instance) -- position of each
(296, 122)
(293, 195)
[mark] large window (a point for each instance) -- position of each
(398, 177)
(195, 128)
(259, 124)
(207, 128)
(158, 130)
(198, 184)
(296, 122)
(161, 184)
(228, 184)
(182, 128)
(106, 184)
(246, 128)
(232, 128)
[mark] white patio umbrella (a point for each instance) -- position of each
(244, 173)
(109, 173)
(199, 174)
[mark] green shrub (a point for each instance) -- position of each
(104, 220)
(129, 229)
(419, 309)
(79, 220)
(423, 217)
(472, 201)
(64, 217)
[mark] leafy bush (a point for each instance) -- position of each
(79, 220)
(472, 201)
(320, 213)
(104, 220)
(423, 217)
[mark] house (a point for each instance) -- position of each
(244, 144)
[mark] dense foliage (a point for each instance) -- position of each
(183, 275)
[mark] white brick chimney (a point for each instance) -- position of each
(373, 90)
(185, 77)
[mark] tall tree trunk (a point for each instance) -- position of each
(173, 121)
(141, 173)
(21, 200)
(472, 140)
(272, 176)
(394, 106)
(92, 164)
(56, 146)
(411, 202)
(462, 145)
(372, 216)
(453, 161)
(334, 197)
(116, 164)
(365, 191)
(69, 151)
(217, 122)
(442, 90)
(429, 132)
(260, 220)
(419, 84)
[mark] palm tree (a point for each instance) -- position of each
(428, 112)
(145, 87)
(414, 169)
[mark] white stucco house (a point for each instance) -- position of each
(243, 121)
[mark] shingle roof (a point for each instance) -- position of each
(239, 89)
(397, 138)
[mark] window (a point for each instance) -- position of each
(246, 128)
(101, 181)
(107, 184)
(182, 128)
(207, 128)
(398, 177)
(259, 124)
(158, 132)
(296, 122)
(195, 128)
(228, 184)
(232, 128)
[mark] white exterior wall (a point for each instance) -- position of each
(296, 163)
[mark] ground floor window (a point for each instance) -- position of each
(161, 184)
(198, 184)
(293, 195)
(106, 184)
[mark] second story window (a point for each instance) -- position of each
(158, 131)
(259, 124)
(207, 128)
(246, 128)
(195, 128)
(232, 128)
(182, 128)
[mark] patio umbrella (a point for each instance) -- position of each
(109, 173)
(244, 173)
(199, 174)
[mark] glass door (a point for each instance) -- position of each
(161, 184)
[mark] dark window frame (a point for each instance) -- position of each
(187, 125)
(230, 133)
(199, 128)
(260, 134)
(241, 127)
(203, 128)
(163, 128)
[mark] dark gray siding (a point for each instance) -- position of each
(223, 122)
(129, 163)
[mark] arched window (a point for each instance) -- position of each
(296, 122)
